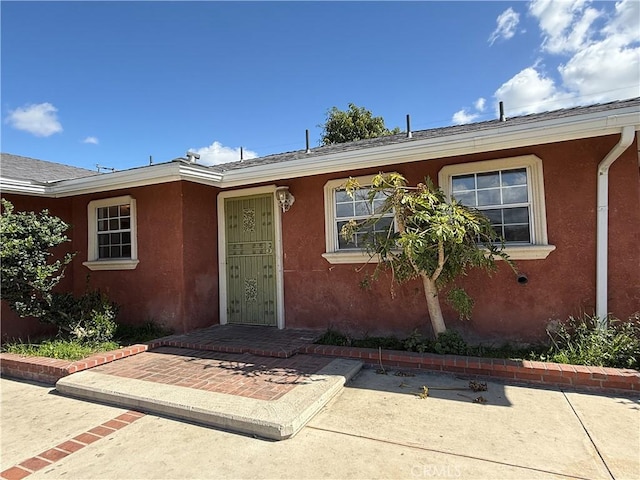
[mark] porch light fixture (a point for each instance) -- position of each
(284, 197)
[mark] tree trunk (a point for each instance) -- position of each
(433, 304)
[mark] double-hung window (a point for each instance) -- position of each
(340, 209)
(503, 196)
(510, 192)
(112, 239)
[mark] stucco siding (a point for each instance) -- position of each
(318, 294)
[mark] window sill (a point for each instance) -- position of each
(520, 252)
(349, 257)
(121, 264)
(528, 252)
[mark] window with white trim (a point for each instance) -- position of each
(510, 192)
(340, 208)
(112, 239)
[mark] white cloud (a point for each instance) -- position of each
(216, 153)
(507, 22)
(39, 119)
(463, 116)
(566, 25)
(624, 26)
(603, 71)
(93, 140)
(529, 91)
(589, 56)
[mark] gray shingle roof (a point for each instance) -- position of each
(25, 168)
(425, 134)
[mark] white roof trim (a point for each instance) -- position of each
(519, 134)
(11, 185)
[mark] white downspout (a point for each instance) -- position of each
(626, 137)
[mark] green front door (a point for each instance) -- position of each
(250, 258)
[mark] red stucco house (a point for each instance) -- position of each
(190, 246)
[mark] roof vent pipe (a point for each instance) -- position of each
(241, 154)
(308, 150)
(192, 157)
(409, 135)
(502, 117)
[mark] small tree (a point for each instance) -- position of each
(29, 272)
(434, 239)
(356, 123)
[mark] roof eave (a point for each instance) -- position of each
(507, 137)
(137, 177)
(24, 187)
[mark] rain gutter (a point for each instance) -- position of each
(626, 138)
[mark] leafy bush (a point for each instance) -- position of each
(417, 343)
(89, 318)
(28, 271)
(580, 341)
(333, 337)
(450, 342)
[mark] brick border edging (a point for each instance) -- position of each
(49, 370)
(525, 371)
(70, 446)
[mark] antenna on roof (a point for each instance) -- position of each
(409, 134)
(308, 150)
(502, 117)
(100, 167)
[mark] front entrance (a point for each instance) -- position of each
(250, 259)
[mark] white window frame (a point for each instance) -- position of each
(93, 261)
(332, 254)
(539, 248)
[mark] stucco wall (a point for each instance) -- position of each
(175, 283)
(200, 256)
(318, 294)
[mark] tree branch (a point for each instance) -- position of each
(441, 261)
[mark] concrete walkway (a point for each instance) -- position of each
(263, 396)
(378, 427)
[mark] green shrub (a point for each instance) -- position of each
(28, 266)
(334, 337)
(450, 342)
(447, 343)
(89, 318)
(580, 341)
(417, 343)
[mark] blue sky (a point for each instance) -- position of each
(111, 83)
